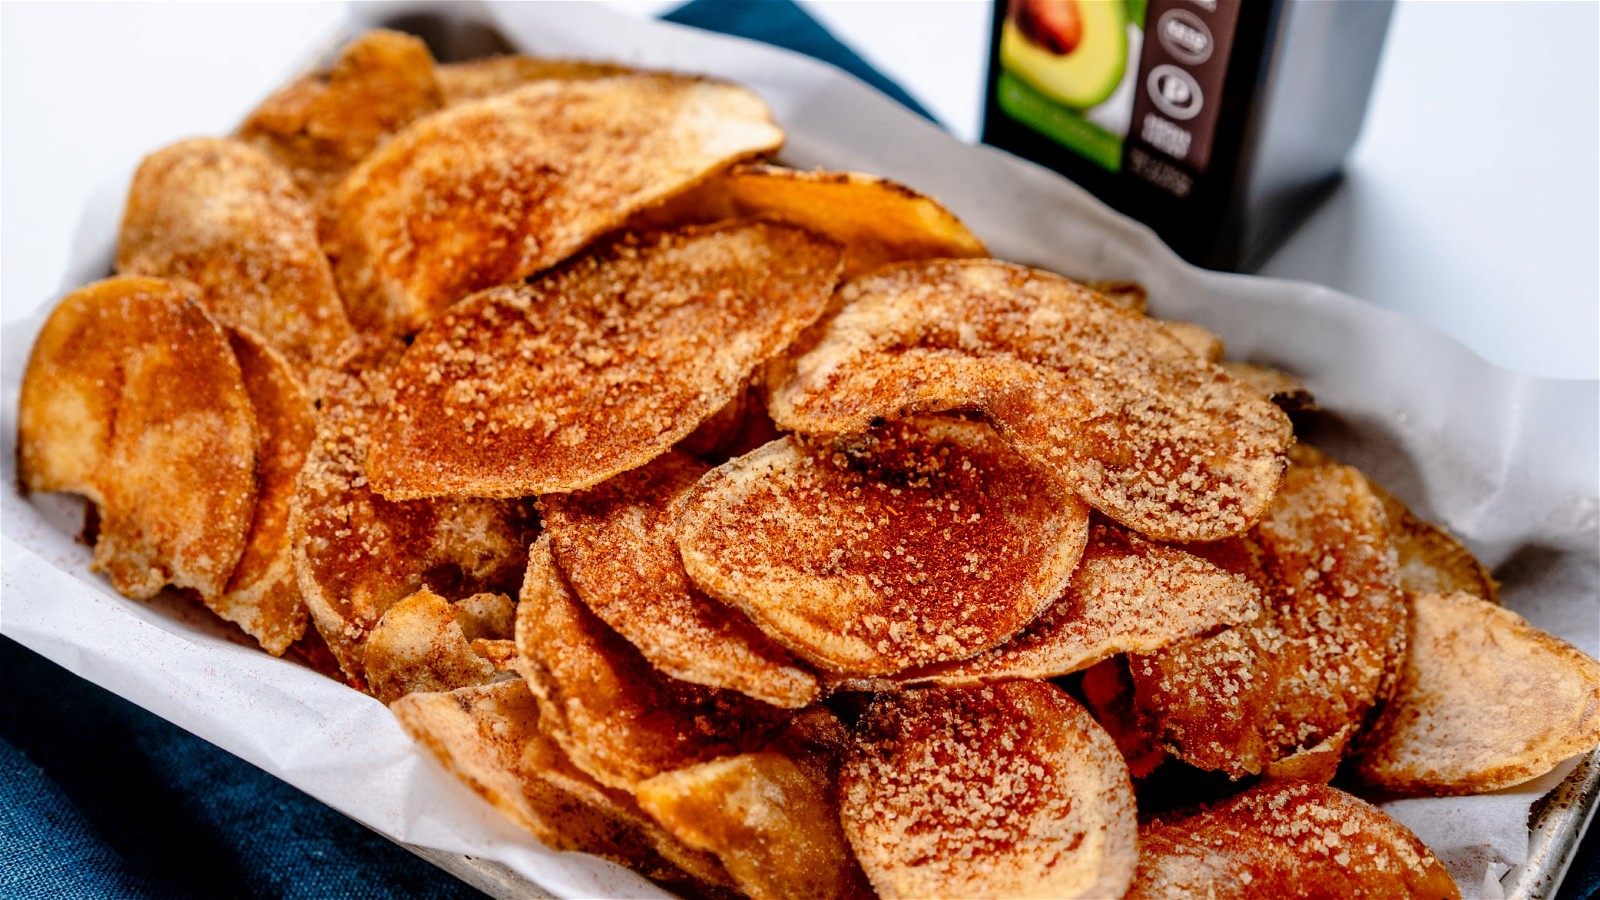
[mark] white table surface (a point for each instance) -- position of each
(1472, 200)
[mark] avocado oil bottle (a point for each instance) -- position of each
(1220, 123)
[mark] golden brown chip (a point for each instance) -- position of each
(357, 553)
(1007, 790)
(926, 540)
(1128, 595)
(226, 217)
(133, 398)
(1147, 433)
(1432, 561)
(619, 719)
(320, 126)
(1287, 839)
(488, 737)
(1201, 341)
(1130, 295)
(491, 191)
(263, 595)
(479, 78)
(600, 366)
(418, 646)
(618, 548)
(1316, 662)
(1485, 701)
(1276, 385)
(771, 817)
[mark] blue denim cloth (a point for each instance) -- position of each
(99, 799)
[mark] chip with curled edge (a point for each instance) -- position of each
(1145, 431)
(1006, 790)
(172, 473)
(923, 541)
(491, 191)
(597, 367)
(618, 548)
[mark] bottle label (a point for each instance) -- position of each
(1132, 85)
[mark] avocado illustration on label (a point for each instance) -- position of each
(1072, 51)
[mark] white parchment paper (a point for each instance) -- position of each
(1507, 462)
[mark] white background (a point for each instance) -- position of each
(1472, 200)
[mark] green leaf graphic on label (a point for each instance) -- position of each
(1026, 105)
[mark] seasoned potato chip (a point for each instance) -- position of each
(618, 548)
(418, 646)
(1007, 790)
(172, 473)
(1310, 669)
(320, 126)
(1130, 295)
(1201, 341)
(1148, 434)
(1485, 701)
(226, 217)
(1432, 561)
(476, 79)
(771, 817)
(488, 192)
(600, 366)
(357, 553)
(619, 719)
(1278, 386)
(1287, 839)
(488, 736)
(1128, 595)
(263, 594)
(924, 541)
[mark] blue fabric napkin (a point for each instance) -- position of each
(100, 799)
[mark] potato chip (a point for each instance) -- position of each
(357, 553)
(740, 426)
(1432, 560)
(488, 737)
(1148, 434)
(1130, 295)
(771, 817)
(476, 79)
(1128, 595)
(171, 473)
(263, 594)
(926, 540)
(488, 192)
(1201, 341)
(1287, 839)
(418, 646)
(1315, 663)
(1007, 790)
(600, 366)
(619, 719)
(226, 217)
(1107, 690)
(1485, 701)
(1276, 385)
(318, 127)
(618, 548)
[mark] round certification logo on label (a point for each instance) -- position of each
(1174, 92)
(1185, 36)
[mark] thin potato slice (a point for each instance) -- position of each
(226, 217)
(488, 192)
(263, 594)
(924, 541)
(771, 817)
(1485, 701)
(600, 366)
(619, 719)
(356, 553)
(170, 472)
(1128, 595)
(1287, 839)
(1303, 677)
(419, 646)
(476, 79)
(488, 737)
(1130, 295)
(1276, 385)
(1432, 560)
(1147, 433)
(618, 548)
(318, 127)
(1201, 341)
(1007, 790)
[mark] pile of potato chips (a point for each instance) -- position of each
(752, 527)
